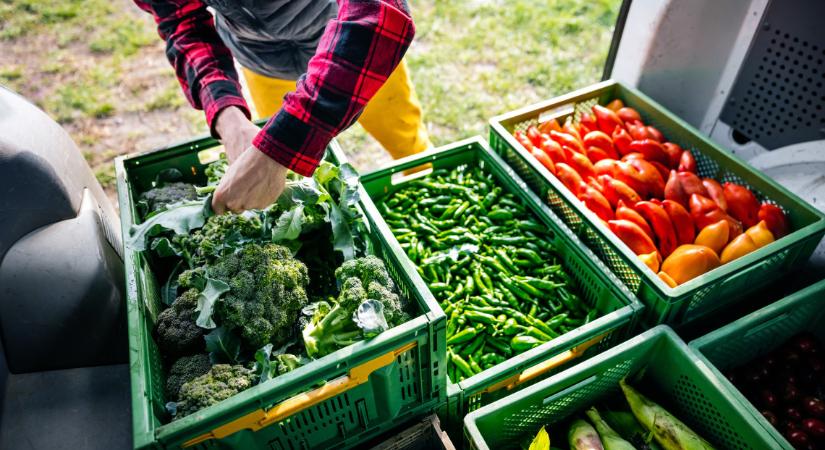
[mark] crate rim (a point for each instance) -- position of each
(760, 316)
(632, 308)
(671, 295)
(339, 362)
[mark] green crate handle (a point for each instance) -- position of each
(544, 366)
(767, 323)
(573, 388)
(262, 418)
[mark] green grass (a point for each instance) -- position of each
(123, 37)
(472, 60)
(86, 97)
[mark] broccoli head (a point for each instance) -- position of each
(184, 370)
(176, 329)
(267, 290)
(367, 269)
(366, 305)
(221, 382)
(219, 236)
(216, 169)
(157, 198)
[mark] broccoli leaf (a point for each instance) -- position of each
(223, 345)
(180, 218)
(369, 316)
(206, 301)
(288, 226)
(264, 367)
(163, 247)
(169, 291)
(342, 240)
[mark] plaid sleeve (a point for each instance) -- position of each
(202, 62)
(357, 53)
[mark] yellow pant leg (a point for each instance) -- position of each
(394, 117)
(267, 93)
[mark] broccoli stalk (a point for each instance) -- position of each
(330, 328)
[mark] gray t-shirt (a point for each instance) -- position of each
(275, 38)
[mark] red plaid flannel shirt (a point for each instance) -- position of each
(357, 53)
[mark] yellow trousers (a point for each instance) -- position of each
(393, 116)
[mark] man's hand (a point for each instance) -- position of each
(253, 181)
(235, 130)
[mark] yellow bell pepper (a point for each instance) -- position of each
(666, 278)
(740, 246)
(760, 234)
(651, 260)
(689, 261)
(714, 236)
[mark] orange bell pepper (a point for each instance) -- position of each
(689, 261)
(740, 246)
(775, 219)
(760, 234)
(630, 233)
(714, 236)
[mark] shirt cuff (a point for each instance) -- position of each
(213, 108)
(292, 143)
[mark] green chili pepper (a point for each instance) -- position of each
(522, 343)
(462, 336)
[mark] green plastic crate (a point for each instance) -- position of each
(656, 362)
(706, 293)
(757, 334)
(598, 287)
(365, 389)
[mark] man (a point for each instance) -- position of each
(351, 52)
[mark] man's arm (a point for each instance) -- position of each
(356, 54)
(202, 62)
